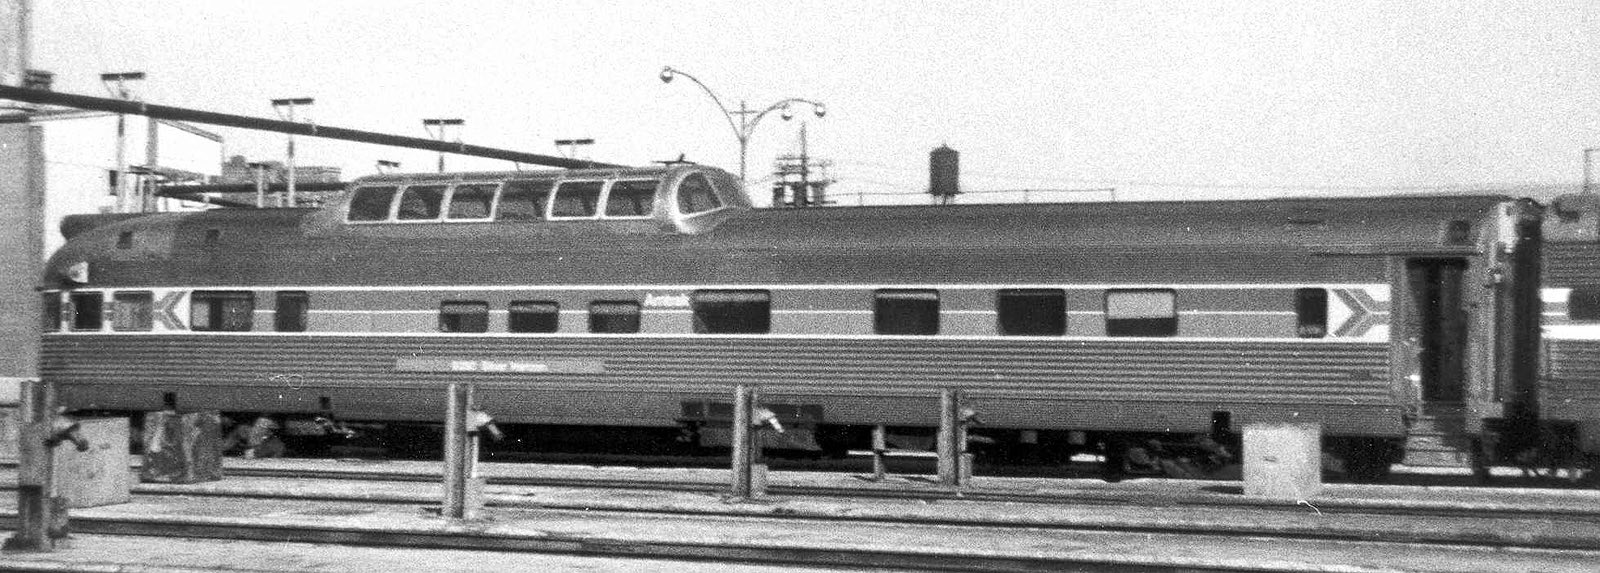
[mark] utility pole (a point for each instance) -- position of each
(279, 105)
(1588, 168)
(437, 128)
(117, 84)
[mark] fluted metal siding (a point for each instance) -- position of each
(1571, 264)
(1572, 379)
(1027, 383)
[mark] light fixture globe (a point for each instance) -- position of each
(667, 74)
(820, 109)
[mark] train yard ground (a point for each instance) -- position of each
(330, 515)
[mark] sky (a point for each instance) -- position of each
(1158, 100)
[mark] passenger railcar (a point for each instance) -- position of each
(1405, 326)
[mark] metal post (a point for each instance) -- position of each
(36, 511)
(455, 451)
(743, 401)
(880, 445)
(949, 452)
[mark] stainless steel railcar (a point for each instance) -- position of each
(639, 297)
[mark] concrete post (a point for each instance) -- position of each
(455, 451)
(949, 449)
(743, 402)
(1283, 461)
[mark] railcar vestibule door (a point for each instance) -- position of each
(1439, 326)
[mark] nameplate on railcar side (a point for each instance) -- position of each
(497, 366)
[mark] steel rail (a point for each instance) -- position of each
(704, 552)
(122, 106)
(1074, 497)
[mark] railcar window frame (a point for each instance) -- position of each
(51, 309)
(132, 311)
(1031, 312)
(88, 311)
(356, 202)
(540, 189)
(291, 311)
(631, 186)
(906, 311)
(1583, 303)
(731, 311)
(615, 317)
(1311, 312)
(451, 196)
(1141, 324)
(687, 197)
(437, 203)
(533, 316)
(463, 316)
(220, 315)
(580, 189)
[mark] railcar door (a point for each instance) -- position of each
(1439, 329)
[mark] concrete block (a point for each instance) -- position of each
(182, 448)
(10, 432)
(100, 475)
(1283, 461)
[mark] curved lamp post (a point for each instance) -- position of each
(748, 118)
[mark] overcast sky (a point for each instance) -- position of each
(1172, 99)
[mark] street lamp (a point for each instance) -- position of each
(280, 105)
(746, 124)
(442, 125)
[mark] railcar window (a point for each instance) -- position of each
(371, 203)
(695, 195)
(905, 311)
(471, 201)
(535, 316)
(1583, 303)
(1311, 312)
(130, 311)
(632, 198)
(1141, 312)
(291, 310)
(87, 313)
(523, 201)
(220, 310)
(731, 311)
(577, 199)
(52, 312)
(614, 316)
(125, 240)
(463, 316)
(1032, 312)
(420, 203)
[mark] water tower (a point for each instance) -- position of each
(944, 174)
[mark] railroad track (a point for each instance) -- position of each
(315, 514)
(930, 491)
